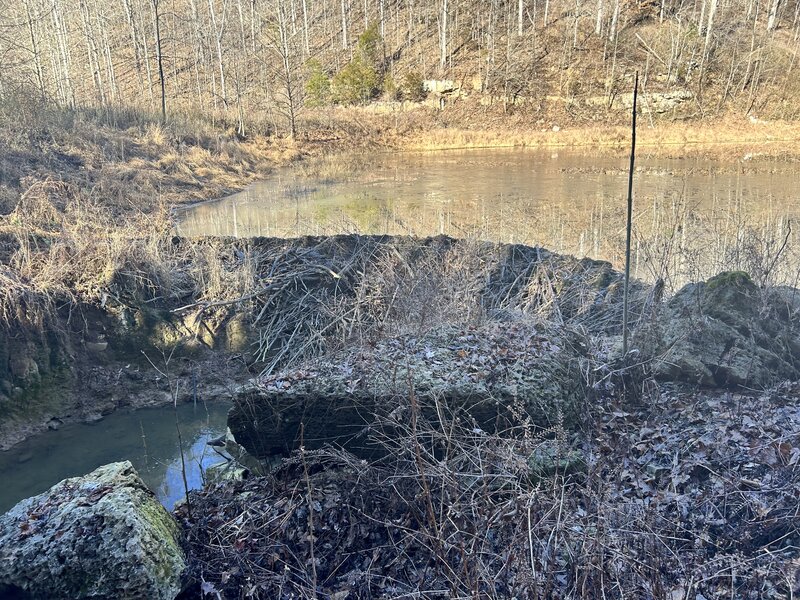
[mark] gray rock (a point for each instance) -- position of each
(103, 535)
(495, 375)
(225, 471)
(729, 332)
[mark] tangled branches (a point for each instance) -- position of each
(312, 295)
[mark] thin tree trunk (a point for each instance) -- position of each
(305, 28)
(772, 21)
(91, 52)
(443, 36)
(135, 41)
(65, 59)
(111, 72)
(287, 75)
(37, 61)
(218, 31)
(598, 23)
(148, 69)
(612, 31)
(344, 25)
(160, 58)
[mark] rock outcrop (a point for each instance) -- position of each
(496, 374)
(729, 332)
(103, 535)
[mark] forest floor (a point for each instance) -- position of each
(691, 496)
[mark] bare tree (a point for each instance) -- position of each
(159, 57)
(443, 35)
(284, 46)
(219, 31)
(37, 61)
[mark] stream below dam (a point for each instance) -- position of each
(147, 437)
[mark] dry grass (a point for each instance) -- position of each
(465, 124)
(58, 246)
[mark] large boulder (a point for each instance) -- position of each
(103, 535)
(729, 332)
(496, 375)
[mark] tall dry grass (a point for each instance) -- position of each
(58, 246)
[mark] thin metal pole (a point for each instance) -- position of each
(629, 222)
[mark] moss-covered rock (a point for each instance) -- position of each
(103, 535)
(729, 332)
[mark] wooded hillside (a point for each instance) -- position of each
(265, 61)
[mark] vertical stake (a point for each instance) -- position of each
(629, 222)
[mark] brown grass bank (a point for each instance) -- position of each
(468, 124)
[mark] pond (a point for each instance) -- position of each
(147, 437)
(693, 217)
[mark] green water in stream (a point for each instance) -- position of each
(147, 437)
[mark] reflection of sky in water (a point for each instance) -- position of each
(485, 192)
(197, 457)
(147, 438)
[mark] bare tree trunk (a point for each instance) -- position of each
(344, 26)
(199, 53)
(287, 74)
(160, 58)
(612, 31)
(219, 29)
(148, 69)
(110, 71)
(598, 23)
(126, 4)
(772, 21)
(91, 52)
(35, 49)
(712, 10)
(443, 36)
(520, 12)
(305, 28)
(60, 33)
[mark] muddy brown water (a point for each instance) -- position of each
(693, 217)
(147, 437)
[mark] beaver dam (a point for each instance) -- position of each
(422, 418)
